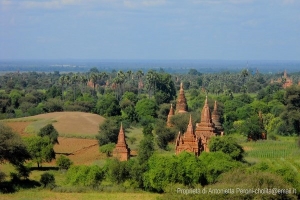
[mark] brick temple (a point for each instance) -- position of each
(208, 127)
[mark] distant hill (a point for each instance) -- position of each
(68, 124)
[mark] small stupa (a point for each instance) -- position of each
(121, 151)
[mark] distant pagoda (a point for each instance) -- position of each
(284, 80)
(215, 117)
(188, 141)
(121, 151)
(171, 113)
(181, 105)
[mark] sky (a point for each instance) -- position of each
(150, 29)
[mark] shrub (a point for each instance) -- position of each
(84, 175)
(107, 149)
(117, 171)
(63, 162)
(227, 145)
(47, 180)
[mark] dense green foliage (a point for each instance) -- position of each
(84, 175)
(47, 180)
(50, 132)
(227, 145)
(12, 148)
(40, 149)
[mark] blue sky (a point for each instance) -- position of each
(150, 29)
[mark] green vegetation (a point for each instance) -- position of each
(12, 148)
(63, 162)
(40, 149)
(49, 131)
(141, 102)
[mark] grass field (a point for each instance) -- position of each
(48, 195)
(283, 148)
(279, 153)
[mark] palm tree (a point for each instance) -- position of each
(61, 81)
(151, 82)
(94, 78)
(74, 81)
(139, 74)
(121, 79)
(83, 80)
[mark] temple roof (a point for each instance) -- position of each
(121, 138)
(189, 134)
(205, 114)
(181, 105)
(171, 112)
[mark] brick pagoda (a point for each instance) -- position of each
(121, 151)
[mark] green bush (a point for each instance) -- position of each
(63, 162)
(116, 171)
(227, 145)
(84, 175)
(107, 149)
(47, 180)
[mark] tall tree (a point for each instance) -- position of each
(94, 79)
(40, 149)
(75, 79)
(49, 131)
(12, 148)
(139, 75)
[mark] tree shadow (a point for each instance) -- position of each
(65, 154)
(14, 185)
(44, 168)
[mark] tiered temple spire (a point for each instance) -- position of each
(121, 151)
(181, 106)
(189, 141)
(206, 128)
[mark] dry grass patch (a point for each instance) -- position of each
(68, 124)
(80, 151)
(18, 127)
